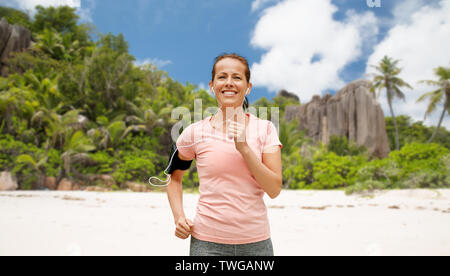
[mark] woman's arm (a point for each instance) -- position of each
(175, 196)
(268, 173)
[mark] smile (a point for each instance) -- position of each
(229, 93)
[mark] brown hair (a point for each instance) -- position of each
(242, 60)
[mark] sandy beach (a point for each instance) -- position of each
(399, 222)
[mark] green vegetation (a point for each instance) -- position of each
(73, 107)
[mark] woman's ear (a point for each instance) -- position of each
(211, 87)
(249, 88)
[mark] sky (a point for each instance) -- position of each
(307, 47)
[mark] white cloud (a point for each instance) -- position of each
(421, 42)
(404, 9)
(155, 61)
(85, 12)
(306, 47)
(258, 4)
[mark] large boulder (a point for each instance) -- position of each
(13, 38)
(50, 183)
(353, 112)
(65, 185)
(136, 187)
(103, 180)
(7, 182)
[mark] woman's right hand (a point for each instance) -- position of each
(184, 228)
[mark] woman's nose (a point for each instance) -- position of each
(229, 81)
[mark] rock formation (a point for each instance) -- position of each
(353, 112)
(13, 38)
(286, 94)
(8, 182)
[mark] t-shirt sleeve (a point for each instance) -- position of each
(271, 138)
(185, 143)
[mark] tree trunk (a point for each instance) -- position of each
(395, 124)
(440, 122)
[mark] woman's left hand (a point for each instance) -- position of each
(237, 131)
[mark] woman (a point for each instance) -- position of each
(234, 172)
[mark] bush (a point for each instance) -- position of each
(135, 166)
(331, 171)
(365, 186)
(11, 148)
(298, 171)
(54, 163)
(417, 157)
(416, 165)
(385, 171)
(105, 164)
(316, 168)
(426, 179)
(341, 146)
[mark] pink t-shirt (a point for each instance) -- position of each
(231, 208)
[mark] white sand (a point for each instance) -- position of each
(81, 223)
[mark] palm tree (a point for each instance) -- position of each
(442, 94)
(58, 127)
(388, 79)
(110, 134)
(75, 151)
(145, 121)
(36, 166)
(50, 42)
(47, 91)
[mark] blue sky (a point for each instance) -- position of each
(304, 46)
(185, 36)
(189, 34)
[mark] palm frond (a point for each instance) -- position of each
(429, 82)
(399, 94)
(27, 159)
(428, 94)
(436, 98)
(401, 83)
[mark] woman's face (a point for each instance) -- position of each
(230, 77)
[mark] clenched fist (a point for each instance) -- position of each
(184, 228)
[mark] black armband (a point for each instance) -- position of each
(175, 163)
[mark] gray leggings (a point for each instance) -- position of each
(205, 248)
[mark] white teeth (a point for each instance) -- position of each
(229, 93)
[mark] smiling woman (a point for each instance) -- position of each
(239, 74)
(234, 174)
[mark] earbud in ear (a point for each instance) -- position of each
(246, 92)
(213, 90)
